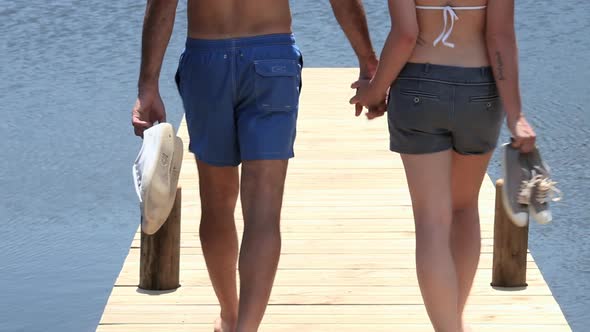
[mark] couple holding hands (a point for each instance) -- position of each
(447, 77)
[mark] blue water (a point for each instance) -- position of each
(68, 73)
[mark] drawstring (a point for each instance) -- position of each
(445, 34)
(526, 188)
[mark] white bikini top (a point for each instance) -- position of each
(450, 12)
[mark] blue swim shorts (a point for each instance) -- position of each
(241, 97)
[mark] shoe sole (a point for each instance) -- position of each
(158, 198)
(537, 216)
(151, 227)
(505, 200)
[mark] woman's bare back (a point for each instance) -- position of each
(467, 35)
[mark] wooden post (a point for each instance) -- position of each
(510, 247)
(159, 266)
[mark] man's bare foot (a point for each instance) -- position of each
(222, 326)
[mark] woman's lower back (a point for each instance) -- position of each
(467, 35)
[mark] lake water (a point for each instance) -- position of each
(68, 75)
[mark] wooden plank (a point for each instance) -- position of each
(403, 292)
(335, 227)
(304, 243)
(332, 299)
(326, 235)
(206, 327)
(332, 314)
(331, 246)
(193, 214)
(329, 278)
(376, 261)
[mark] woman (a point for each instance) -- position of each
(452, 68)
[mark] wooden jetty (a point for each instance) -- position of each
(347, 261)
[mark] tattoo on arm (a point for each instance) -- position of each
(500, 67)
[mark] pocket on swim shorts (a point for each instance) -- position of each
(277, 84)
(178, 76)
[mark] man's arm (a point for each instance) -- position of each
(157, 29)
(350, 14)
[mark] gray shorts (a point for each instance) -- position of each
(435, 108)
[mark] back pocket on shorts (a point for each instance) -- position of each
(490, 102)
(277, 84)
(417, 94)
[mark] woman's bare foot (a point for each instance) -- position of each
(222, 326)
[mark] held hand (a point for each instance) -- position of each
(369, 97)
(357, 105)
(148, 110)
(376, 111)
(367, 71)
(368, 67)
(523, 135)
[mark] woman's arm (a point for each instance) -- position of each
(400, 43)
(503, 55)
(397, 50)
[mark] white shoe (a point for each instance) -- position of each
(155, 174)
(544, 189)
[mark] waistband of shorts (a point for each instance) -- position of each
(241, 42)
(448, 74)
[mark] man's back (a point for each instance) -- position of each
(216, 19)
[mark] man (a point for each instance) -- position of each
(239, 79)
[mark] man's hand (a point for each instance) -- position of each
(368, 67)
(368, 96)
(148, 110)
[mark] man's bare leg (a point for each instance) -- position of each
(219, 188)
(262, 196)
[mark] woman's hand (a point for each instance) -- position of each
(523, 135)
(369, 96)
